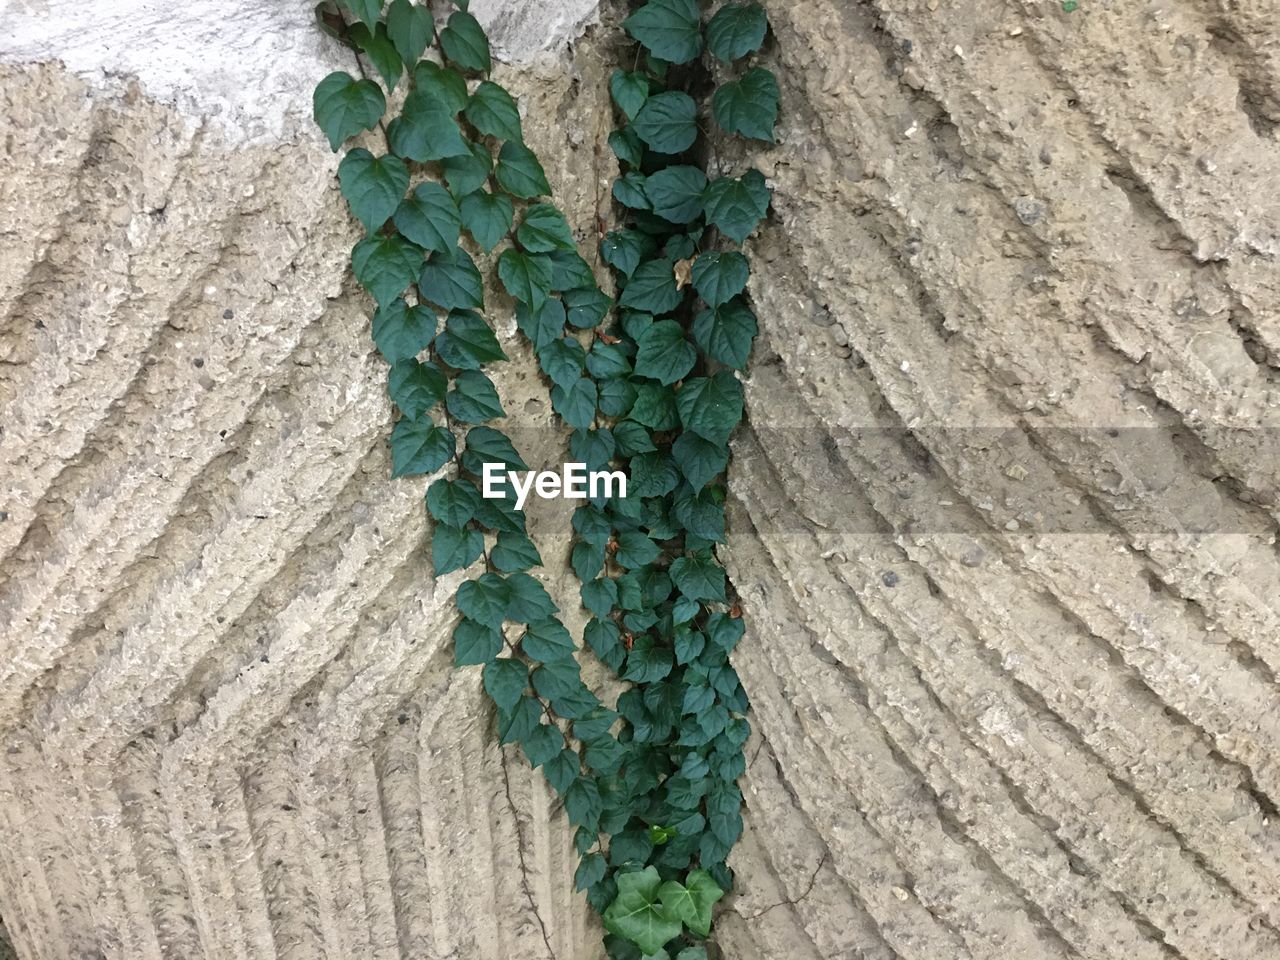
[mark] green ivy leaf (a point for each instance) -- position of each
(629, 190)
(452, 501)
(725, 333)
(568, 270)
(624, 249)
(475, 643)
(720, 276)
(450, 279)
(529, 599)
(562, 770)
(737, 206)
(419, 446)
(464, 44)
(652, 475)
(736, 30)
(699, 579)
(636, 915)
(542, 745)
(486, 445)
(664, 354)
(488, 217)
(562, 360)
(626, 146)
(377, 46)
(526, 277)
(711, 406)
(604, 639)
(616, 397)
(629, 91)
(373, 186)
(635, 549)
(343, 106)
(748, 105)
(668, 122)
(648, 664)
(493, 112)
(586, 306)
(385, 265)
(401, 331)
(608, 360)
(576, 402)
(429, 218)
(675, 193)
(582, 803)
(519, 722)
(426, 130)
(468, 173)
(599, 596)
(546, 641)
(366, 10)
(467, 342)
(655, 407)
(519, 172)
(410, 28)
(699, 459)
(455, 548)
(669, 29)
(505, 679)
(542, 326)
(415, 387)
(590, 871)
(444, 85)
(652, 288)
(474, 399)
(692, 953)
(543, 229)
(515, 552)
(694, 900)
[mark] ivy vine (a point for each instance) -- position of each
(648, 384)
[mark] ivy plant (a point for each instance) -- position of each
(647, 382)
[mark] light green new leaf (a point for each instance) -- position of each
(636, 915)
(519, 172)
(493, 112)
(629, 91)
(504, 679)
(669, 29)
(737, 206)
(652, 288)
(699, 579)
(664, 354)
(675, 193)
(343, 106)
(474, 398)
(410, 28)
(385, 265)
(736, 30)
(402, 331)
(720, 276)
(725, 333)
(464, 44)
(543, 229)
(415, 387)
(467, 342)
(377, 46)
(527, 277)
(488, 217)
(668, 122)
(748, 105)
(704, 892)
(455, 548)
(450, 279)
(373, 186)
(475, 643)
(419, 446)
(429, 218)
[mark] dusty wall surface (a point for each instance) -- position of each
(1003, 518)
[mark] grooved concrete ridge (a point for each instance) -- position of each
(1004, 515)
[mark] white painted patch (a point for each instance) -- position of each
(247, 66)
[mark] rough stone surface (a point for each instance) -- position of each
(1003, 520)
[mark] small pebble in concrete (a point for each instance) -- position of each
(889, 578)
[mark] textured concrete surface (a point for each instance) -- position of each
(1003, 520)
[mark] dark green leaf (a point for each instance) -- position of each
(626, 146)
(475, 643)
(629, 91)
(542, 745)
(562, 361)
(632, 438)
(486, 445)
(505, 679)
(607, 360)
(542, 326)
(402, 331)
(547, 640)
(445, 86)
(464, 44)
(668, 122)
(586, 306)
(699, 459)
(624, 249)
(736, 30)
(669, 29)
(562, 770)
(655, 407)
(410, 27)
(419, 446)
(467, 342)
(576, 402)
(720, 276)
(603, 638)
(652, 475)
(737, 206)
(526, 277)
(373, 186)
(455, 548)
(725, 333)
(652, 288)
(663, 352)
(568, 270)
(543, 229)
(519, 172)
(711, 406)
(748, 105)
(451, 280)
(429, 218)
(647, 664)
(343, 106)
(474, 399)
(366, 10)
(494, 113)
(515, 552)
(385, 265)
(377, 46)
(587, 560)
(599, 596)
(415, 387)
(675, 193)
(452, 501)
(529, 599)
(485, 600)
(487, 216)
(582, 802)
(629, 190)
(469, 172)
(590, 871)
(426, 130)
(616, 397)
(635, 549)
(519, 722)
(699, 579)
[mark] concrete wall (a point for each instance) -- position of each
(1003, 515)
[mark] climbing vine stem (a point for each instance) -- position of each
(647, 383)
